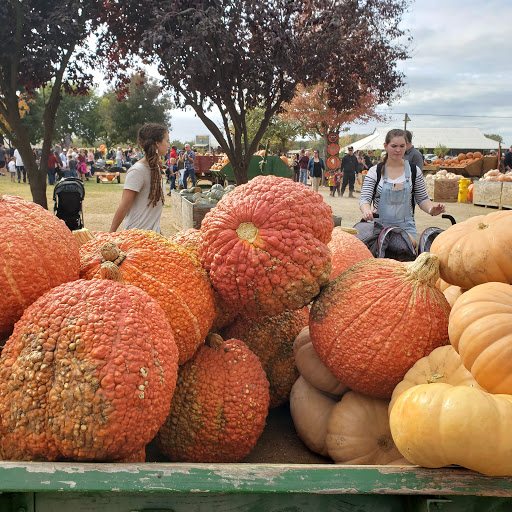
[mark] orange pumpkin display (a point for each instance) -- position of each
(219, 409)
(476, 251)
(346, 250)
(480, 331)
(264, 246)
(37, 252)
(167, 272)
(374, 321)
(477, 155)
(461, 156)
(88, 374)
(271, 339)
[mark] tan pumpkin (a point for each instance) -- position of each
(311, 367)
(358, 431)
(434, 425)
(452, 293)
(480, 330)
(476, 251)
(442, 365)
(310, 410)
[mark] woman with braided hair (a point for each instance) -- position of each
(143, 194)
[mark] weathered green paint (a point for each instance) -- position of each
(247, 478)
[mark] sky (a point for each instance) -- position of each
(458, 73)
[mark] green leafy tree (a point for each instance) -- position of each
(494, 136)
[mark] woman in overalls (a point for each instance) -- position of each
(392, 199)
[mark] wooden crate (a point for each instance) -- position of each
(430, 169)
(488, 163)
(185, 214)
(506, 195)
(445, 191)
(487, 193)
(472, 170)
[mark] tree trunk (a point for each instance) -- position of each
(241, 169)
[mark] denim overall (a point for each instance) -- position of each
(395, 205)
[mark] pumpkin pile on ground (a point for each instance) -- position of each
(166, 271)
(264, 246)
(37, 252)
(271, 339)
(87, 374)
(219, 409)
(376, 319)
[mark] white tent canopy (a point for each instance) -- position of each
(458, 139)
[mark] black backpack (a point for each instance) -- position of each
(414, 171)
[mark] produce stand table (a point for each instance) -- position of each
(159, 487)
(185, 214)
(487, 193)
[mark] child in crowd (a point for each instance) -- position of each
(173, 172)
(12, 169)
(73, 167)
(330, 182)
(337, 182)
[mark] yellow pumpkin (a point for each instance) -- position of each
(442, 365)
(435, 425)
(476, 251)
(358, 431)
(310, 410)
(480, 330)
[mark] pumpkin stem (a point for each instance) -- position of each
(111, 252)
(434, 378)
(214, 340)
(82, 236)
(111, 271)
(424, 269)
(247, 231)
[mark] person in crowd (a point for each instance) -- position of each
(361, 163)
(119, 157)
(20, 167)
(349, 168)
(90, 161)
(368, 159)
(189, 158)
(303, 164)
(73, 167)
(12, 169)
(67, 141)
(337, 182)
(143, 194)
(174, 153)
(330, 183)
(138, 154)
(173, 172)
(3, 160)
(181, 167)
(507, 162)
(83, 173)
(394, 194)
(315, 167)
(295, 167)
(64, 163)
(412, 155)
(54, 163)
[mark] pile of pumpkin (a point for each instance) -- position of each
(217, 166)
(462, 160)
(190, 340)
(443, 174)
(496, 175)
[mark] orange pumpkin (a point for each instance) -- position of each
(477, 154)
(476, 250)
(470, 192)
(470, 155)
(374, 321)
(461, 156)
(346, 250)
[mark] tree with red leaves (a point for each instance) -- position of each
(310, 109)
(40, 45)
(232, 56)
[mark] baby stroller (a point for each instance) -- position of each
(394, 242)
(68, 195)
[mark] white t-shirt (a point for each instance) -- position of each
(12, 166)
(141, 216)
(19, 161)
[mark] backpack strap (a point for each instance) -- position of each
(414, 171)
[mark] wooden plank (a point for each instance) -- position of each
(506, 195)
(487, 193)
(445, 191)
(247, 478)
(176, 210)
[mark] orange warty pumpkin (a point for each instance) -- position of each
(374, 321)
(88, 374)
(219, 409)
(264, 246)
(166, 271)
(476, 251)
(346, 250)
(271, 339)
(37, 252)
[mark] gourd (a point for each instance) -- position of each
(220, 405)
(197, 196)
(452, 293)
(264, 246)
(462, 260)
(435, 425)
(346, 250)
(310, 409)
(229, 189)
(480, 331)
(376, 319)
(442, 365)
(216, 193)
(88, 374)
(271, 339)
(169, 273)
(358, 431)
(37, 253)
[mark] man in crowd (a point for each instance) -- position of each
(303, 167)
(189, 159)
(507, 163)
(349, 167)
(412, 155)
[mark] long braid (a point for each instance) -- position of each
(149, 134)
